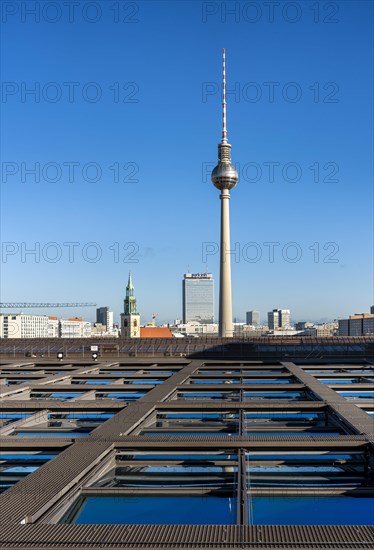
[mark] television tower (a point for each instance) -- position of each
(225, 177)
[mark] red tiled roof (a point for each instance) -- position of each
(155, 332)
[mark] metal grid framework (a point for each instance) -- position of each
(31, 509)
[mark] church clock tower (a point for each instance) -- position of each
(130, 318)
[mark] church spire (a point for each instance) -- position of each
(129, 283)
(130, 300)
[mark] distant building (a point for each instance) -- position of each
(130, 318)
(253, 318)
(75, 327)
(194, 328)
(302, 325)
(99, 330)
(41, 326)
(273, 319)
(359, 324)
(372, 310)
(343, 327)
(279, 319)
(284, 318)
(251, 330)
(20, 325)
(198, 298)
(104, 316)
(326, 329)
(155, 332)
(289, 332)
(321, 330)
(53, 327)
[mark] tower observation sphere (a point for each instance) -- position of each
(224, 175)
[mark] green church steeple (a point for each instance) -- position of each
(130, 300)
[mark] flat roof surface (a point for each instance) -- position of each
(271, 450)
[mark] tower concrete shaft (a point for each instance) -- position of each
(225, 300)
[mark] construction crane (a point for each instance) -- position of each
(22, 305)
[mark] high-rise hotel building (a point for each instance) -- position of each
(198, 297)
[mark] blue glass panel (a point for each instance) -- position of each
(63, 395)
(335, 381)
(146, 381)
(210, 395)
(20, 469)
(297, 457)
(83, 416)
(16, 416)
(265, 381)
(289, 434)
(296, 469)
(167, 510)
(284, 415)
(11, 457)
(311, 510)
(181, 457)
(183, 470)
(200, 415)
(214, 381)
(187, 433)
(356, 393)
(320, 371)
(275, 395)
(93, 382)
(126, 396)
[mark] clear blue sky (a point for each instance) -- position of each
(157, 71)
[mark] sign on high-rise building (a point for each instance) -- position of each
(198, 297)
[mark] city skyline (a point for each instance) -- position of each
(316, 216)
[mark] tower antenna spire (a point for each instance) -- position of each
(224, 129)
